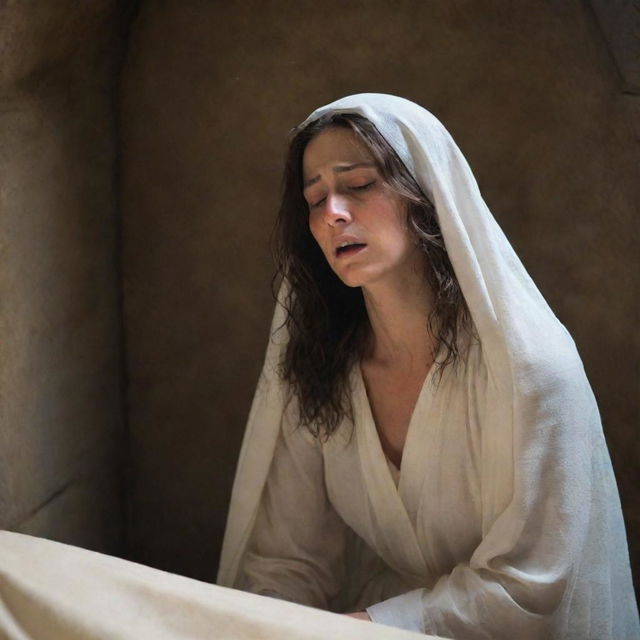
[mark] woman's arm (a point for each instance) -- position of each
(298, 545)
(360, 615)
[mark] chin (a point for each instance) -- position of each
(354, 278)
(349, 280)
(353, 284)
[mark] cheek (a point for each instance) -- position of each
(316, 228)
(313, 227)
(392, 225)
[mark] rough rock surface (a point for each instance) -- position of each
(60, 364)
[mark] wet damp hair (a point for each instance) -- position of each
(326, 320)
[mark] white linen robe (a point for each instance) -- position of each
(317, 493)
(418, 559)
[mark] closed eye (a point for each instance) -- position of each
(316, 204)
(364, 186)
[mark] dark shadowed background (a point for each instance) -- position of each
(140, 157)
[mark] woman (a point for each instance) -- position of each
(424, 449)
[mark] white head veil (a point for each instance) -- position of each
(541, 397)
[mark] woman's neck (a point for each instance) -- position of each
(398, 313)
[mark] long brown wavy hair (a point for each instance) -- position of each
(326, 320)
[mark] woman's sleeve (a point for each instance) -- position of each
(554, 563)
(297, 547)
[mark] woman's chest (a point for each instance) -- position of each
(392, 399)
(436, 506)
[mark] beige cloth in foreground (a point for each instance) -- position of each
(52, 591)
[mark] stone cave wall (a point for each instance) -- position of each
(61, 410)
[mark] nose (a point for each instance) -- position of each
(336, 210)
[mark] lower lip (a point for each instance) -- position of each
(350, 251)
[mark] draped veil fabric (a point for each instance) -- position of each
(553, 539)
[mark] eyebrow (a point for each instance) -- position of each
(339, 169)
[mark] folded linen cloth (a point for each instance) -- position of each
(54, 591)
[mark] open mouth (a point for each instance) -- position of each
(350, 249)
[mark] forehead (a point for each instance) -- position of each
(333, 146)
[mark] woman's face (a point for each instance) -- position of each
(356, 219)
